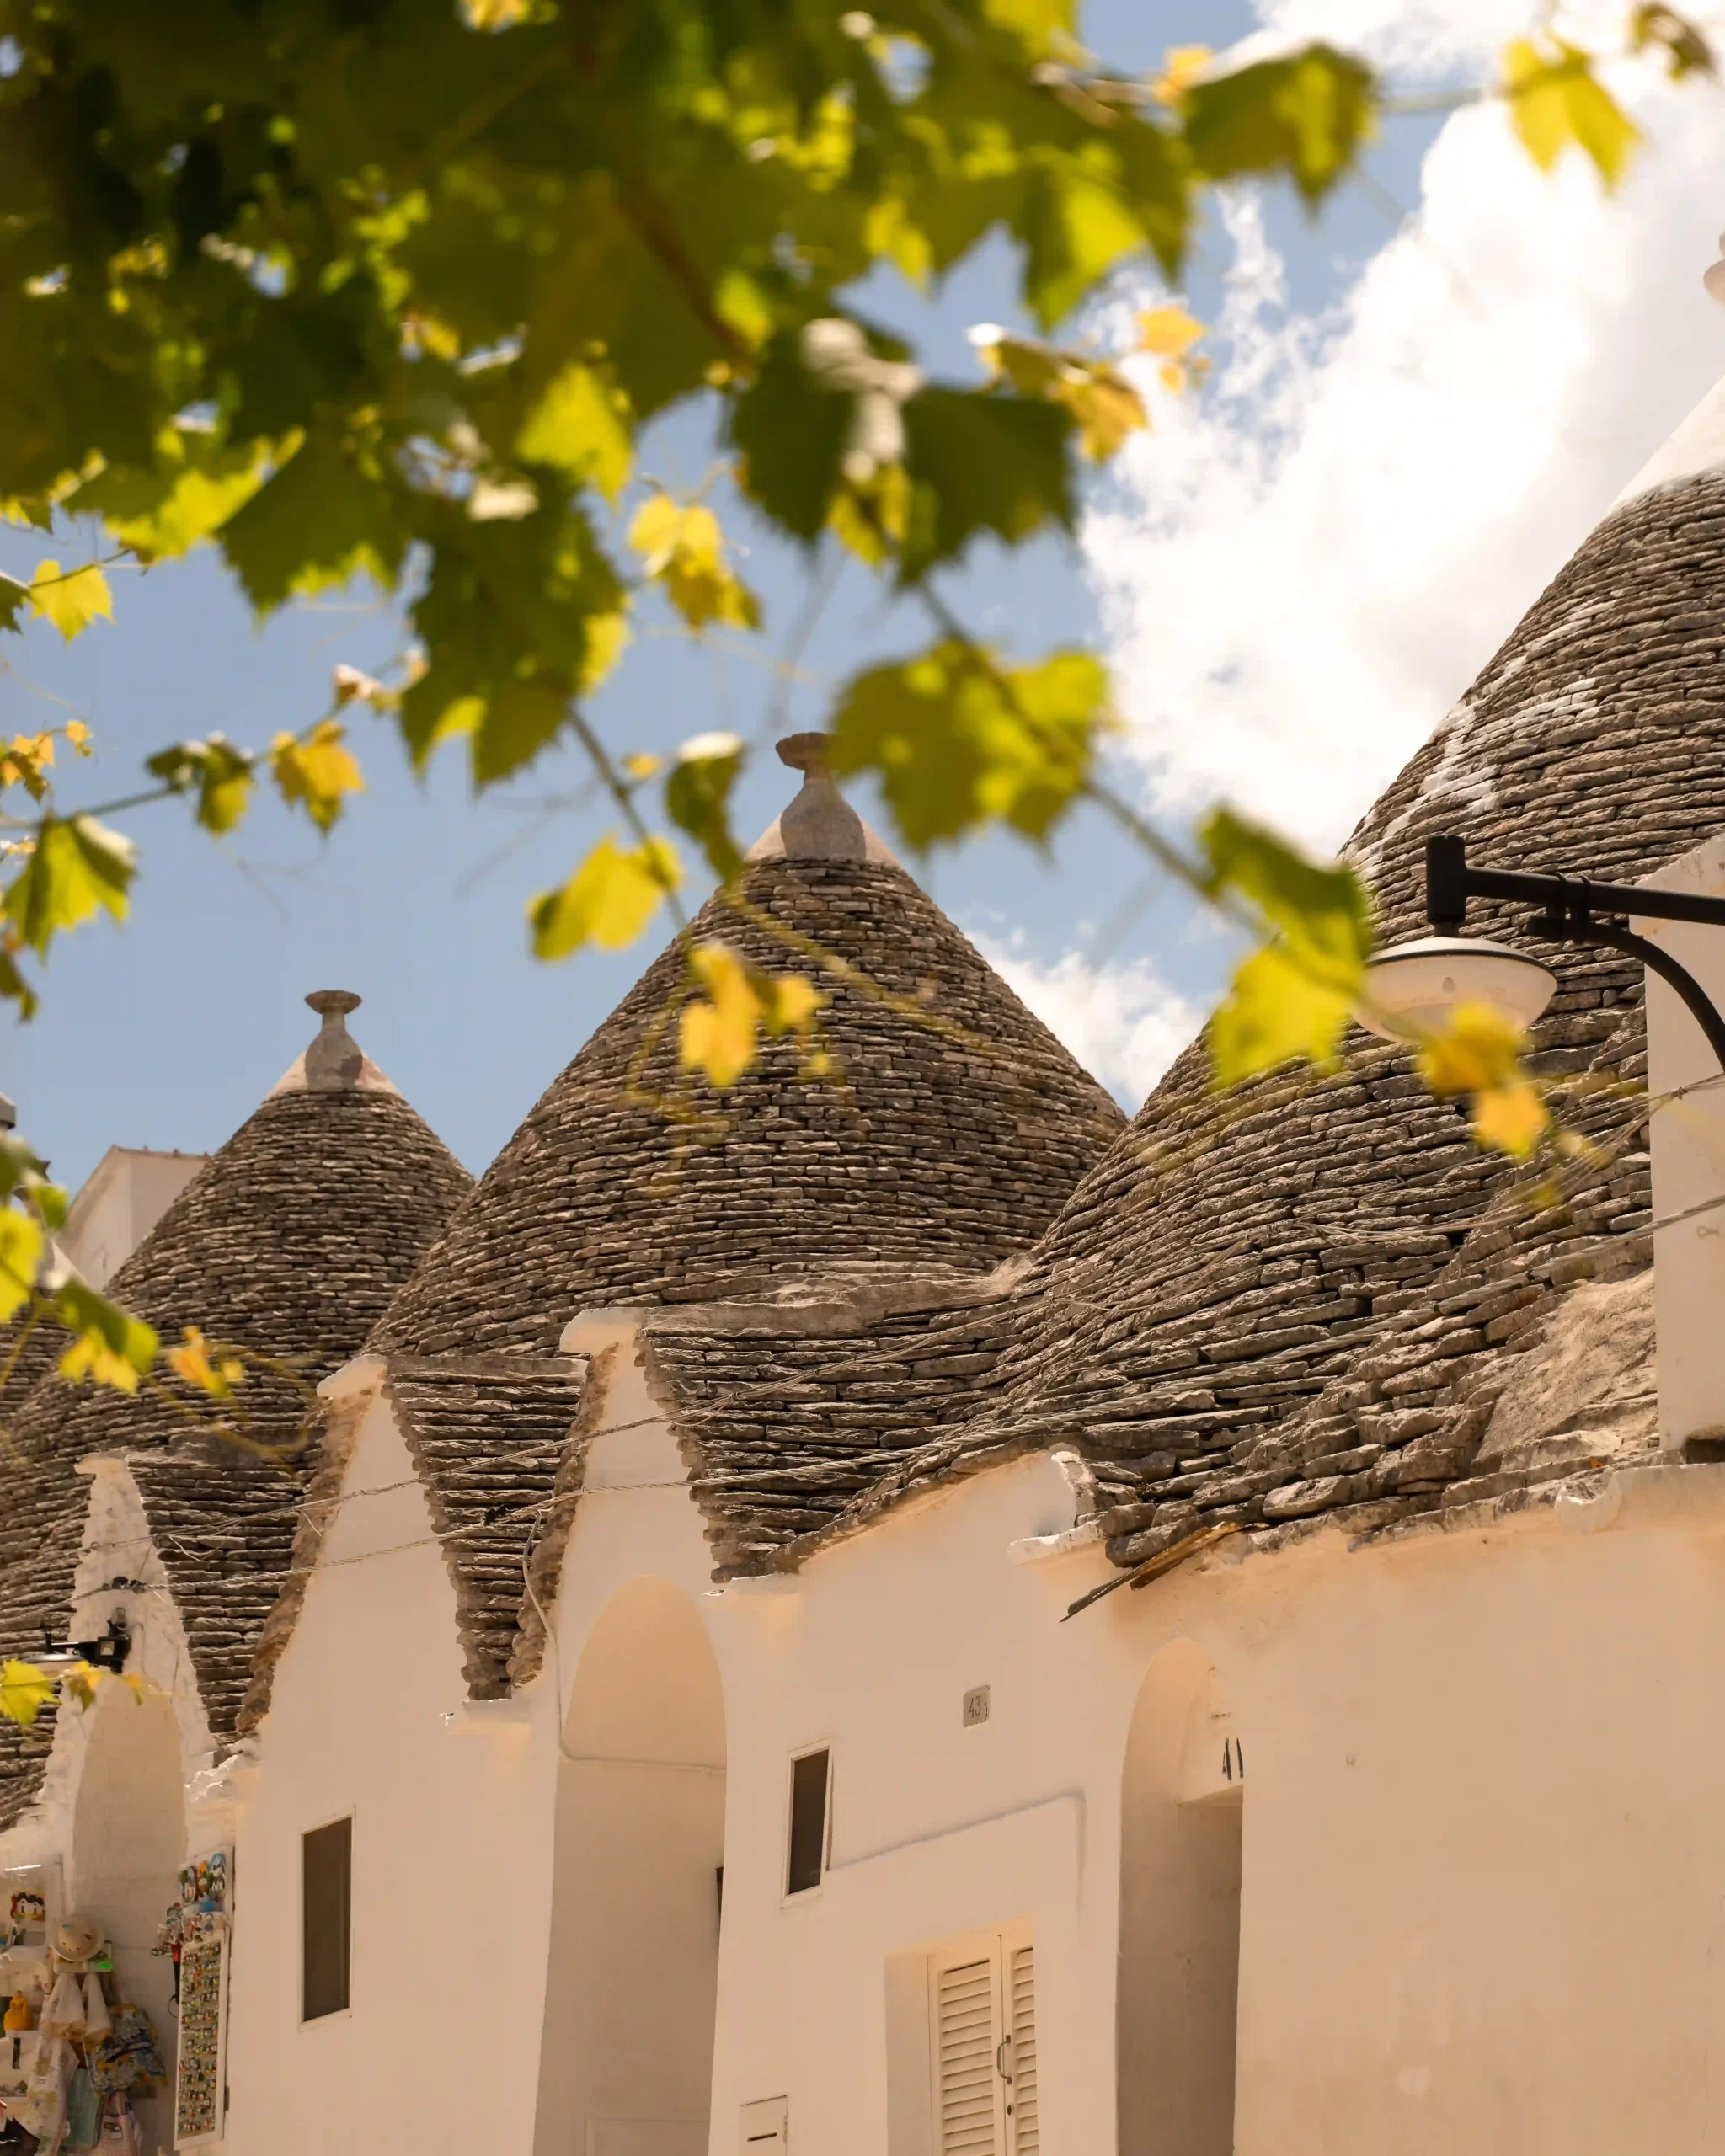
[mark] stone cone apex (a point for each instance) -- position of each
(335, 1062)
(819, 824)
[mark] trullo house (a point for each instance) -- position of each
(906, 1617)
(122, 1524)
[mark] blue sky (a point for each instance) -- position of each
(167, 1032)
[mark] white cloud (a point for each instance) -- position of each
(1309, 558)
(1120, 1018)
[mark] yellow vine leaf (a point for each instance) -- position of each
(1480, 1050)
(79, 1683)
(192, 1362)
(608, 901)
(25, 1691)
(1511, 1119)
(1480, 1055)
(1557, 102)
(89, 1356)
(719, 1030)
(1182, 65)
(1294, 996)
(26, 762)
(683, 550)
(580, 427)
(1104, 403)
(70, 600)
(795, 1002)
(494, 14)
(1169, 332)
(21, 1244)
(316, 770)
(109, 1346)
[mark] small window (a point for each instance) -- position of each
(327, 1878)
(810, 1778)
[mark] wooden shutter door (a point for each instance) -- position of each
(969, 2112)
(1021, 2016)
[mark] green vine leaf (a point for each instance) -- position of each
(110, 1346)
(957, 740)
(1295, 996)
(75, 867)
(218, 773)
(1307, 115)
(698, 793)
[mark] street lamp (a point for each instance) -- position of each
(1416, 988)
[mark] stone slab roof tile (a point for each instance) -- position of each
(500, 1462)
(785, 1429)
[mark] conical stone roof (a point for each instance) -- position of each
(286, 1245)
(954, 1128)
(1299, 1299)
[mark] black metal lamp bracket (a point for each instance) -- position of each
(1576, 911)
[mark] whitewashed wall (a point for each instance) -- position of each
(455, 1807)
(1483, 1899)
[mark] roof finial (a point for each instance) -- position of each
(333, 1061)
(819, 824)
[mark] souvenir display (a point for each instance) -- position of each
(41, 2108)
(198, 2093)
(119, 2135)
(17, 2061)
(73, 2050)
(84, 2111)
(126, 2059)
(195, 1931)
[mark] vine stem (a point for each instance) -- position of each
(611, 780)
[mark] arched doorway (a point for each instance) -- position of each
(627, 2060)
(128, 1843)
(1182, 1810)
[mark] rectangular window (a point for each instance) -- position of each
(327, 1883)
(810, 1778)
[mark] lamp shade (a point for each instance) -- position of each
(1415, 989)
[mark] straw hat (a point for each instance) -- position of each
(77, 1937)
